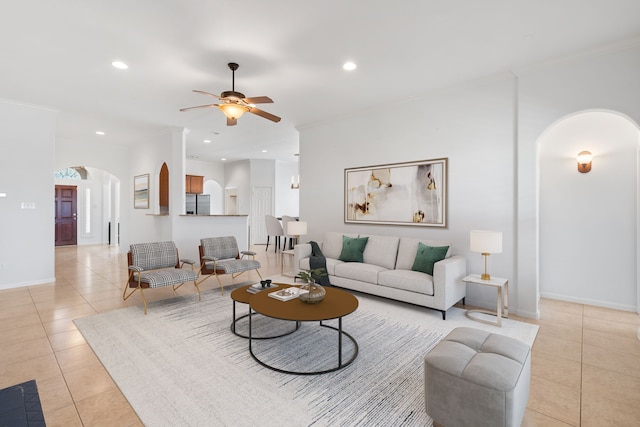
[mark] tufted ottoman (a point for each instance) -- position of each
(476, 378)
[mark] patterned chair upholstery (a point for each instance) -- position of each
(152, 265)
(220, 255)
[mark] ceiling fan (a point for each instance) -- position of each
(234, 104)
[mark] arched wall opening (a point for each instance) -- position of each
(588, 222)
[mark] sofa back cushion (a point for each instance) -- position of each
(381, 250)
(408, 248)
(332, 244)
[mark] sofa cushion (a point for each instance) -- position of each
(358, 271)
(331, 265)
(352, 249)
(381, 250)
(332, 244)
(427, 256)
(408, 280)
(408, 248)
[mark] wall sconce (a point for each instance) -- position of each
(584, 161)
(295, 186)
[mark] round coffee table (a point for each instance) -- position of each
(242, 296)
(336, 304)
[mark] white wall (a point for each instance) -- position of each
(26, 175)
(587, 253)
(287, 200)
(470, 124)
(238, 176)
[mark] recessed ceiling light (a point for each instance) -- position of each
(120, 65)
(264, 151)
(349, 66)
(207, 141)
(223, 159)
(99, 132)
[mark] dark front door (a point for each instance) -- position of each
(66, 215)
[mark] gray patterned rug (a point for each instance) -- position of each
(181, 365)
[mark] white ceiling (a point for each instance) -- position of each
(58, 54)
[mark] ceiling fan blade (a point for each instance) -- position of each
(231, 122)
(199, 106)
(206, 93)
(259, 100)
(264, 114)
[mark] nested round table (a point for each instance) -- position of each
(336, 304)
(242, 296)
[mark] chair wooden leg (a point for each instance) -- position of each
(221, 285)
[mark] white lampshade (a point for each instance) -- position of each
(486, 241)
(297, 228)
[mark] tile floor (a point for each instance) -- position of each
(585, 361)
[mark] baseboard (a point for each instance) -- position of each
(588, 301)
(23, 284)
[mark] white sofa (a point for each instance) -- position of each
(386, 270)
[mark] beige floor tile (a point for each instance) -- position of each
(17, 310)
(559, 330)
(39, 369)
(81, 389)
(108, 408)
(613, 360)
(558, 347)
(25, 350)
(76, 358)
(557, 369)
(629, 345)
(63, 417)
(18, 298)
(21, 320)
(536, 419)
(554, 400)
(558, 306)
(72, 312)
(54, 394)
(65, 340)
(601, 411)
(10, 336)
(612, 315)
(59, 326)
(610, 327)
(598, 382)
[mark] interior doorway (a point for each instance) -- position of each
(66, 215)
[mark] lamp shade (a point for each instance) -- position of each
(233, 111)
(486, 241)
(297, 228)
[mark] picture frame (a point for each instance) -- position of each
(409, 193)
(141, 191)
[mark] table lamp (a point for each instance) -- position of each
(297, 229)
(486, 242)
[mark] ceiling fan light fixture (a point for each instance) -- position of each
(233, 111)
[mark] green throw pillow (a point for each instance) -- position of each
(352, 249)
(427, 256)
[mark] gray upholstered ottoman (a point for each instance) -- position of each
(476, 378)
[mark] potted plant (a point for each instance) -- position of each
(316, 292)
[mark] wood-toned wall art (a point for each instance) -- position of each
(411, 193)
(141, 192)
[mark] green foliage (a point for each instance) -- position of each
(310, 275)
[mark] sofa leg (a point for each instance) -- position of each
(444, 314)
(463, 300)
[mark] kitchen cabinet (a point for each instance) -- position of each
(194, 184)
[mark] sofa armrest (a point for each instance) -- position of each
(448, 287)
(300, 252)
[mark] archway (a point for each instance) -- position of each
(588, 222)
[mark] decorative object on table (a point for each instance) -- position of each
(287, 294)
(315, 293)
(141, 192)
(296, 229)
(258, 287)
(486, 242)
(411, 193)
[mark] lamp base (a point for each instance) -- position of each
(485, 276)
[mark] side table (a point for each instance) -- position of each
(290, 253)
(502, 306)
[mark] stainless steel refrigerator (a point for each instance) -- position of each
(198, 204)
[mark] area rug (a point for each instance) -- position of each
(182, 365)
(20, 406)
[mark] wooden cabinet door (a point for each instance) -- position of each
(194, 184)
